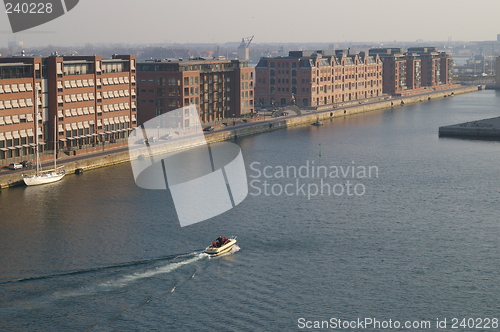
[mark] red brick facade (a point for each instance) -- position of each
(20, 78)
(414, 71)
(221, 88)
(315, 78)
(88, 100)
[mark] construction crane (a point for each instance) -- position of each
(243, 49)
(245, 42)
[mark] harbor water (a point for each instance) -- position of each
(370, 216)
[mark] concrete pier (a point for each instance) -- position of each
(487, 128)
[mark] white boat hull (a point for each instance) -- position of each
(49, 177)
(221, 250)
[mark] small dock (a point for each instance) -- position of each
(487, 128)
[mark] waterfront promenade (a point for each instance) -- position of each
(112, 156)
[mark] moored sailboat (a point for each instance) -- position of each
(48, 176)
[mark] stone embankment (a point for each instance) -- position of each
(329, 112)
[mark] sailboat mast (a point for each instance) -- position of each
(55, 143)
(37, 154)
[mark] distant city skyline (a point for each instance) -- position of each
(200, 21)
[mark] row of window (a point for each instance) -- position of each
(76, 126)
(246, 85)
(318, 101)
(83, 83)
(273, 80)
(80, 137)
(15, 119)
(173, 92)
(13, 88)
(69, 84)
(246, 103)
(120, 120)
(75, 112)
(76, 97)
(195, 80)
(319, 89)
(283, 102)
(116, 80)
(279, 64)
(16, 103)
(100, 95)
(80, 111)
(23, 146)
(16, 139)
(114, 107)
(347, 87)
(247, 94)
(247, 76)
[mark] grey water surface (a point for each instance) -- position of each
(368, 216)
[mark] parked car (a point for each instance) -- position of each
(209, 128)
(166, 137)
(15, 166)
(153, 139)
(26, 163)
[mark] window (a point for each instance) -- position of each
(160, 92)
(160, 81)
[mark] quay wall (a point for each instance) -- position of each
(329, 113)
(10, 180)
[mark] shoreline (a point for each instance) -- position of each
(120, 155)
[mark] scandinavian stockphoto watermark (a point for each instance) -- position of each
(24, 14)
(310, 180)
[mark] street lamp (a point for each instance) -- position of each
(234, 122)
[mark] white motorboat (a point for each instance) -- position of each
(220, 246)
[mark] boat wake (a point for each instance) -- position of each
(175, 262)
(105, 283)
(94, 269)
(130, 278)
(124, 281)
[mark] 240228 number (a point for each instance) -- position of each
(474, 323)
(29, 8)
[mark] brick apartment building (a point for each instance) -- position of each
(19, 80)
(315, 78)
(221, 88)
(412, 72)
(87, 99)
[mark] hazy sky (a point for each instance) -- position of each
(220, 21)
